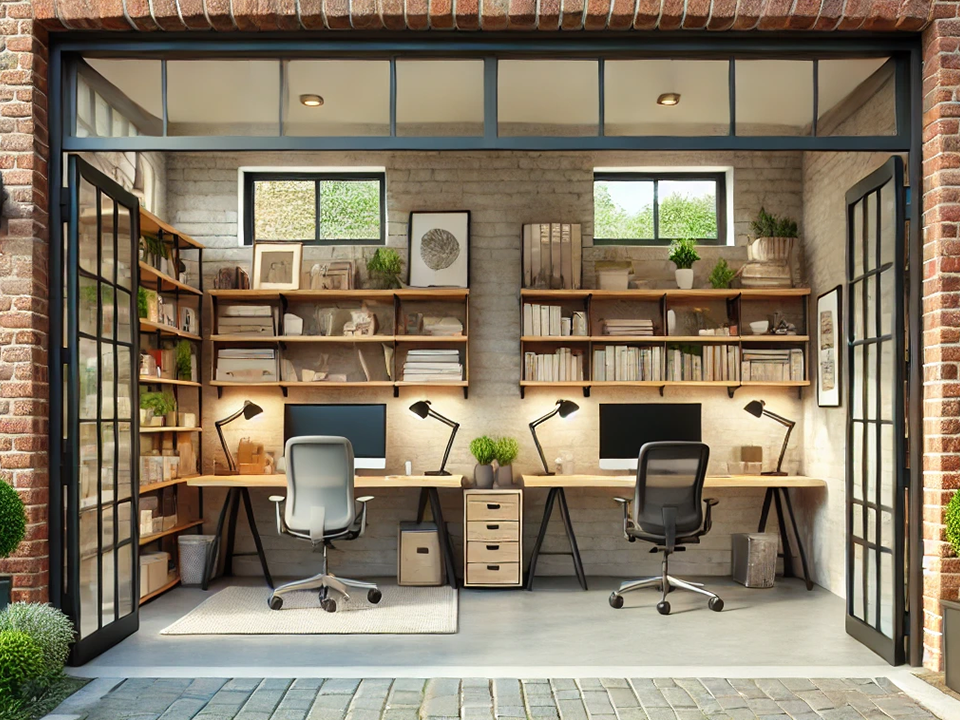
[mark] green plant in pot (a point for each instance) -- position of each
(505, 451)
(385, 268)
(13, 526)
(722, 275)
(484, 451)
(683, 254)
(154, 249)
(184, 360)
(157, 405)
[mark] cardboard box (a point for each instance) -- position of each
(418, 555)
(153, 572)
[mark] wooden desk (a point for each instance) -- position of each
(238, 488)
(776, 487)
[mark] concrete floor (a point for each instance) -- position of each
(557, 629)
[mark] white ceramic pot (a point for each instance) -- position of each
(684, 278)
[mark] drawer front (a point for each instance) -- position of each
(493, 530)
(493, 507)
(493, 552)
(493, 573)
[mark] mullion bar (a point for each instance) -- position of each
(283, 96)
(491, 121)
(601, 111)
(656, 210)
(816, 96)
(116, 413)
(732, 90)
(163, 95)
(393, 97)
(878, 395)
(864, 411)
(99, 421)
(317, 210)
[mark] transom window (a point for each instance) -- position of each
(632, 208)
(315, 208)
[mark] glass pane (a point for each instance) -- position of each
(124, 461)
(124, 329)
(350, 210)
(856, 96)
(870, 307)
(107, 308)
(856, 511)
(871, 525)
(857, 248)
(856, 460)
(88, 532)
(107, 229)
(887, 588)
(130, 94)
(888, 475)
(84, 118)
(857, 581)
(125, 374)
(870, 230)
(870, 472)
(89, 465)
(124, 515)
(125, 591)
(870, 611)
(89, 612)
(871, 378)
(124, 247)
(887, 301)
(87, 306)
(888, 220)
(107, 399)
(439, 97)
(856, 310)
(774, 97)
(223, 97)
(623, 210)
(632, 89)
(106, 526)
(107, 582)
(688, 208)
(87, 230)
(856, 389)
(548, 97)
(285, 210)
(355, 97)
(89, 378)
(107, 449)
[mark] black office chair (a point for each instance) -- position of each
(667, 511)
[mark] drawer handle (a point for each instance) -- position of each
(493, 527)
(493, 547)
(423, 551)
(493, 506)
(495, 568)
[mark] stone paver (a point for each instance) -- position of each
(506, 699)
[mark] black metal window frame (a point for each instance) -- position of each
(720, 204)
(251, 178)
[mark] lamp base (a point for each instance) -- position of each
(775, 473)
(548, 474)
(433, 473)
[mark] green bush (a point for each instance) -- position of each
(953, 521)
(143, 302)
(505, 450)
(683, 253)
(483, 449)
(767, 225)
(48, 627)
(13, 520)
(160, 402)
(721, 275)
(184, 362)
(21, 663)
(385, 267)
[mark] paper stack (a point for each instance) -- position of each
(249, 365)
(433, 366)
(247, 320)
(442, 326)
(628, 327)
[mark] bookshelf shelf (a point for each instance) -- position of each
(169, 585)
(333, 295)
(169, 428)
(342, 339)
(151, 487)
(146, 380)
(146, 539)
(163, 282)
(166, 330)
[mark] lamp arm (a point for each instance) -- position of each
(783, 449)
(536, 442)
(779, 418)
(226, 451)
(446, 421)
(446, 453)
(546, 417)
(231, 418)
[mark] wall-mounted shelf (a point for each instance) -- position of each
(147, 380)
(147, 539)
(163, 282)
(343, 339)
(146, 326)
(151, 487)
(169, 585)
(170, 429)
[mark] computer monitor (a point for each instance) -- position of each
(365, 426)
(624, 428)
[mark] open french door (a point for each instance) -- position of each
(876, 468)
(97, 419)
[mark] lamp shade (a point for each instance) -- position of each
(567, 408)
(755, 408)
(421, 409)
(251, 410)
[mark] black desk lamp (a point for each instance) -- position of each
(249, 410)
(757, 409)
(423, 410)
(565, 408)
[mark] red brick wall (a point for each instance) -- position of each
(23, 288)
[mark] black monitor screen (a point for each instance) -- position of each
(625, 428)
(365, 426)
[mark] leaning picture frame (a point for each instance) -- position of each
(438, 245)
(830, 339)
(276, 265)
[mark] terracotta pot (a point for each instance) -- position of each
(483, 476)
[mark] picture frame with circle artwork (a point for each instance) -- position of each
(438, 245)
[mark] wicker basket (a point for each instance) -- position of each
(771, 249)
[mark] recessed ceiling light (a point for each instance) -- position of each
(669, 99)
(311, 100)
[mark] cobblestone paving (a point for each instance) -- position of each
(506, 699)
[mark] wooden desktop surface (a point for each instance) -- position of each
(628, 481)
(360, 481)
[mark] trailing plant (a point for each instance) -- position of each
(722, 275)
(683, 253)
(767, 225)
(385, 267)
(184, 360)
(952, 521)
(13, 520)
(160, 402)
(483, 449)
(21, 663)
(49, 628)
(143, 302)
(153, 245)
(505, 450)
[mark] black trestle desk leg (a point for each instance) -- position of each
(256, 536)
(796, 533)
(446, 548)
(765, 512)
(422, 505)
(547, 512)
(574, 550)
(213, 552)
(231, 531)
(784, 538)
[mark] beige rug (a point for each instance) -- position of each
(244, 611)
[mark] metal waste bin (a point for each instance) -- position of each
(194, 551)
(754, 559)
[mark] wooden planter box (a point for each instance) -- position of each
(951, 643)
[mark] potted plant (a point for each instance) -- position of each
(505, 450)
(143, 303)
(155, 406)
(683, 254)
(13, 526)
(722, 275)
(154, 249)
(483, 450)
(184, 360)
(384, 268)
(950, 609)
(773, 238)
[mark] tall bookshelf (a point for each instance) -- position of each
(731, 307)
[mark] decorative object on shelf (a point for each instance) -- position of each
(247, 365)
(385, 268)
(722, 275)
(388, 353)
(155, 406)
(235, 278)
(362, 323)
(552, 256)
(439, 249)
(292, 324)
(565, 408)
(613, 274)
(683, 254)
(187, 420)
(423, 410)
(337, 275)
(188, 321)
(829, 369)
(505, 451)
(184, 360)
(276, 266)
(13, 527)
(246, 319)
(484, 451)
(757, 408)
(154, 250)
(249, 410)
(760, 327)
(768, 256)
(148, 365)
(251, 459)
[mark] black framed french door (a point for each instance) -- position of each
(876, 471)
(99, 424)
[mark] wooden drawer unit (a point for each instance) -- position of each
(493, 530)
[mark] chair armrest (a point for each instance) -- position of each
(278, 500)
(708, 516)
(363, 512)
(627, 522)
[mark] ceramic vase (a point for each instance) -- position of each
(505, 476)
(684, 278)
(483, 476)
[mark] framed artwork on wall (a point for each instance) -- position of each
(439, 249)
(829, 339)
(276, 265)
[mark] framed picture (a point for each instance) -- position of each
(276, 266)
(439, 249)
(829, 343)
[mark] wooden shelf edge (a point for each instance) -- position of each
(146, 539)
(161, 278)
(153, 223)
(414, 383)
(169, 585)
(171, 428)
(147, 380)
(652, 294)
(151, 487)
(150, 326)
(775, 383)
(357, 293)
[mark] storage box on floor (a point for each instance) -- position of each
(418, 555)
(154, 572)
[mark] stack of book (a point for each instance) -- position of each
(433, 366)
(442, 326)
(628, 327)
(622, 363)
(564, 365)
(780, 365)
(548, 321)
(552, 254)
(249, 365)
(713, 363)
(248, 320)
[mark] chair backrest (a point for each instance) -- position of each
(319, 475)
(670, 475)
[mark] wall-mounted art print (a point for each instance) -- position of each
(829, 340)
(439, 245)
(276, 266)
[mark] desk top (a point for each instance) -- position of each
(628, 481)
(360, 481)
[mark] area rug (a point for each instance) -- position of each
(244, 611)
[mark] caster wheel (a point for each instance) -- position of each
(715, 604)
(329, 604)
(275, 602)
(663, 607)
(616, 601)
(374, 596)
(631, 539)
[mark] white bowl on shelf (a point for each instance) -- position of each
(760, 327)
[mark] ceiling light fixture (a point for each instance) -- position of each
(311, 100)
(669, 99)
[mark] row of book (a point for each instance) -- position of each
(622, 363)
(248, 320)
(785, 365)
(711, 363)
(552, 255)
(433, 366)
(628, 327)
(548, 321)
(564, 365)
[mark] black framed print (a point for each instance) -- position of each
(439, 249)
(829, 335)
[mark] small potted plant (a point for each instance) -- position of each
(13, 526)
(184, 360)
(384, 269)
(722, 275)
(683, 254)
(484, 450)
(950, 609)
(154, 250)
(155, 407)
(505, 451)
(773, 238)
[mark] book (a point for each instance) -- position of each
(576, 251)
(526, 256)
(556, 260)
(545, 259)
(566, 257)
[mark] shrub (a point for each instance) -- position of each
(143, 302)
(953, 521)
(385, 267)
(483, 449)
(21, 663)
(184, 360)
(767, 225)
(721, 275)
(13, 520)
(505, 450)
(683, 253)
(160, 402)
(47, 626)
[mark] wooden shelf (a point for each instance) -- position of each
(431, 338)
(773, 293)
(728, 339)
(171, 428)
(774, 338)
(169, 585)
(414, 383)
(700, 383)
(555, 338)
(301, 338)
(152, 224)
(775, 384)
(164, 282)
(627, 383)
(656, 294)
(234, 383)
(145, 539)
(166, 330)
(150, 487)
(358, 294)
(147, 380)
(566, 383)
(556, 294)
(323, 383)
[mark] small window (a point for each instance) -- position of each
(314, 208)
(653, 209)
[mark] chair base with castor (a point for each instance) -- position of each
(666, 583)
(324, 582)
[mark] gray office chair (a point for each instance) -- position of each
(320, 508)
(667, 512)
